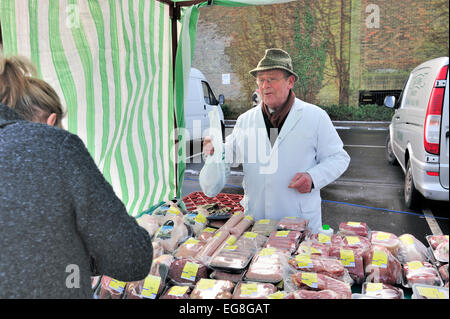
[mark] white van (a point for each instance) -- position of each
(199, 101)
(418, 136)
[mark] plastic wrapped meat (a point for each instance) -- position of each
(161, 265)
(443, 270)
(212, 245)
(171, 233)
(265, 226)
(284, 239)
(314, 281)
(388, 240)
(411, 249)
(213, 289)
(418, 272)
(242, 226)
(353, 229)
(312, 294)
(435, 240)
(352, 260)
(190, 248)
(149, 288)
(323, 265)
(381, 290)
(268, 265)
(421, 291)
(293, 223)
(149, 222)
(309, 247)
(232, 221)
(95, 281)
(110, 288)
(325, 239)
(206, 234)
(253, 290)
(158, 249)
(381, 266)
(168, 209)
(235, 257)
(186, 271)
(196, 220)
(356, 242)
(177, 292)
(441, 252)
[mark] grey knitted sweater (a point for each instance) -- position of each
(60, 220)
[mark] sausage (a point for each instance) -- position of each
(212, 245)
(242, 226)
(232, 221)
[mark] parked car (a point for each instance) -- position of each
(418, 138)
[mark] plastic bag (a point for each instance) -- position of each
(214, 172)
(411, 249)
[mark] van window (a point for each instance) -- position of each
(208, 94)
(402, 94)
(418, 89)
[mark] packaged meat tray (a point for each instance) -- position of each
(439, 246)
(284, 239)
(381, 290)
(268, 265)
(189, 249)
(149, 288)
(355, 242)
(326, 239)
(172, 232)
(443, 271)
(196, 220)
(293, 223)
(235, 257)
(226, 275)
(324, 265)
(150, 223)
(214, 244)
(160, 265)
(353, 229)
(429, 292)
(265, 226)
(315, 281)
(176, 292)
(110, 288)
(310, 247)
(253, 290)
(381, 266)
(420, 272)
(187, 271)
(212, 289)
(388, 240)
(312, 294)
(232, 221)
(242, 226)
(206, 234)
(411, 249)
(352, 260)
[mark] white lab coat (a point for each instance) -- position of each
(308, 142)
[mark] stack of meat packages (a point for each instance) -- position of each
(240, 258)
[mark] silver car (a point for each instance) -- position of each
(418, 136)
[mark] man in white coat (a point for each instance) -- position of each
(289, 149)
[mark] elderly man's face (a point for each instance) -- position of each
(274, 87)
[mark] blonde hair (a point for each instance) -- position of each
(21, 90)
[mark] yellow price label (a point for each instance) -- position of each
(174, 210)
(205, 284)
(414, 265)
(266, 252)
(407, 240)
(354, 224)
(192, 241)
(277, 295)
(282, 233)
(347, 257)
(263, 221)
(178, 291)
(310, 279)
(190, 271)
(200, 218)
(231, 240)
(249, 289)
(151, 287)
(117, 285)
(374, 286)
(249, 218)
(303, 261)
(379, 259)
(250, 234)
(431, 293)
(230, 247)
(324, 239)
(352, 240)
(209, 230)
(382, 236)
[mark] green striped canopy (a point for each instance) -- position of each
(110, 61)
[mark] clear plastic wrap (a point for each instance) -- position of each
(353, 229)
(352, 260)
(356, 242)
(169, 208)
(189, 249)
(315, 281)
(149, 288)
(212, 245)
(110, 288)
(242, 226)
(226, 275)
(443, 271)
(253, 290)
(421, 272)
(293, 223)
(439, 246)
(380, 290)
(312, 294)
(268, 265)
(196, 220)
(158, 249)
(312, 247)
(324, 265)
(411, 249)
(381, 266)
(206, 234)
(187, 271)
(265, 226)
(232, 221)
(388, 240)
(325, 239)
(421, 291)
(176, 292)
(435, 240)
(150, 223)
(161, 265)
(284, 239)
(172, 232)
(213, 289)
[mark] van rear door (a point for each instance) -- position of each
(444, 147)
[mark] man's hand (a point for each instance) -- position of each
(208, 148)
(301, 182)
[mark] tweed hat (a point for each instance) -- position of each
(275, 59)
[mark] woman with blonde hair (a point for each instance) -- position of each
(32, 98)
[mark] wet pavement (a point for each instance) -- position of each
(371, 190)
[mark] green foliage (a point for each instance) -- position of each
(370, 112)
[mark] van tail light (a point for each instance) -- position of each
(432, 125)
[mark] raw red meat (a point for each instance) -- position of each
(309, 247)
(323, 265)
(381, 266)
(417, 272)
(352, 260)
(325, 239)
(353, 229)
(248, 290)
(311, 294)
(443, 270)
(293, 223)
(435, 240)
(388, 240)
(356, 242)
(314, 281)
(287, 239)
(381, 290)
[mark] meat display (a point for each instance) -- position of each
(381, 290)
(325, 239)
(293, 223)
(321, 265)
(187, 271)
(177, 292)
(388, 240)
(265, 226)
(196, 220)
(253, 290)
(284, 239)
(352, 260)
(149, 288)
(267, 265)
(314, 281)
(381, 266)
(212, 289)
(189, 249)
(419, 272)
(411, 249)
(353, 229)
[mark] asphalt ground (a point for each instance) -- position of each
(371, 190)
